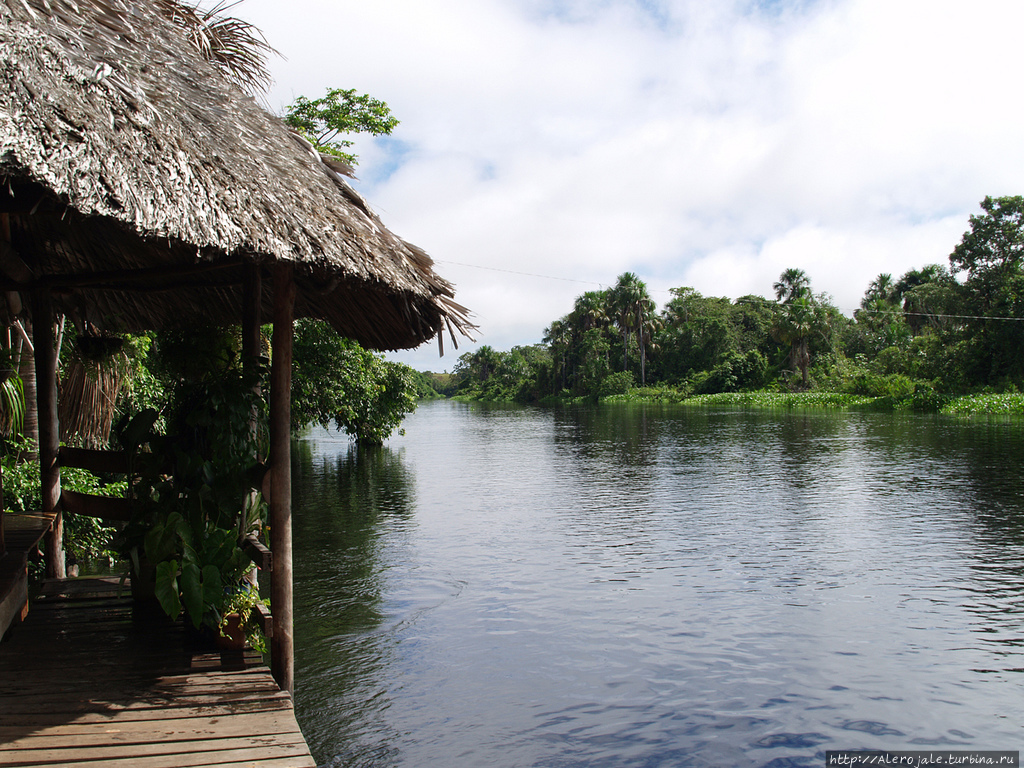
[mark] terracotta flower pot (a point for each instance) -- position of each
(232, 634)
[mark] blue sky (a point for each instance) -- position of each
(547, 147)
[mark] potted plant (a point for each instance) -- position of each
(238, 626)
(200, 571)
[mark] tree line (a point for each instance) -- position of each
(946, 328)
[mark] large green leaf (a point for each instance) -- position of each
(213, 589)
(167, 587)
(162, 539)
(192, 592)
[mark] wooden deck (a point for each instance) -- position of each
(83, 683)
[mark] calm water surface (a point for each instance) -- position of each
(645, 586)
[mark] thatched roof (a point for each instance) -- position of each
(139, 180)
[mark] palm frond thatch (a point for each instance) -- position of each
(141, 184)
(235, 45)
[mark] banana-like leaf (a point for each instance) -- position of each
(192, 592)
(167, 587)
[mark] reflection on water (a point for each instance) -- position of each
(639, 586)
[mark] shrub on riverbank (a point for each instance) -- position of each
(990, 404)
(923, 399)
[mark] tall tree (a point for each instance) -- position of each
(795, 323)
(334, 380)
(991, 259)
(341, 112)
(926, 294)
(558, 336)
(801, 315)
(791, 285)
(634, 314)
(881, 289)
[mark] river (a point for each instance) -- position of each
(658, 586)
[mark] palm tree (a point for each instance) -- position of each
(923, 291)
(648, 325)
(882, 288)
(791, 285)
(794, 325)
(631, 304)
(557, 336)
(590, 310)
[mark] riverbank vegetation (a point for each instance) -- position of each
(940, 338)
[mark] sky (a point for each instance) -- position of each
(548, 146)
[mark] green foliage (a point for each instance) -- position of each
(987, 404)
(12, 405)
(199, 567)
(243, 601)
(86, 538)
(426, 386)
(914, 340)
(334, 380)
(990, 259)
(633, 309)
(618, 383)
(143, 388)
(780, 400)
(490, 375)
(195, 500)
(800, 320)
(874, 385)
(20, 477)
(338, 113)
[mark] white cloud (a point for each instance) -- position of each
(694, 142)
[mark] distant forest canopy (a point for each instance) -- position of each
(938, 329)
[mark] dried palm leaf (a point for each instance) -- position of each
(88, 398)
(236, 45)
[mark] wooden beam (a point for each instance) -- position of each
(122, 279)
(282, 642)
(92, 505)
(263, 557)
(13, 590)
(49, 427)
(264, 618)
(96, 461)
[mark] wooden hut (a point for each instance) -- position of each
(141, 188)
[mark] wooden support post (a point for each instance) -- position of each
(252, 340)
(5, 237)
(282, 643)
(252, 299)
(49, 427)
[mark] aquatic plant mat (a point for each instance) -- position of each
(86, 684)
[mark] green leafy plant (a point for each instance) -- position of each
(322, 121)
(242, 600)
(195, 500)
(336, 380)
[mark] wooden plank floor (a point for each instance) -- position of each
(83, 683)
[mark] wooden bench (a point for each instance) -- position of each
(22, 534)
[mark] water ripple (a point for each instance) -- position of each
(655, 587)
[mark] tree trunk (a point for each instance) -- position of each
(805, 362)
